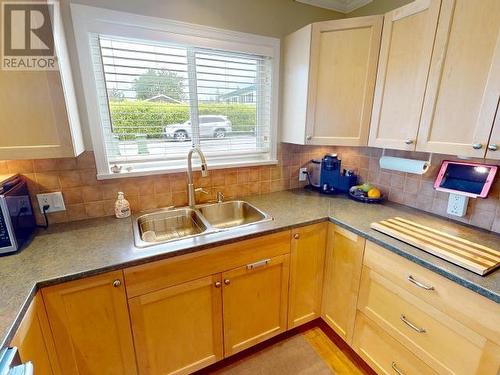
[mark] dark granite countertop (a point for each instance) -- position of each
(74, 250)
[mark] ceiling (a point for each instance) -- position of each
(342, 6)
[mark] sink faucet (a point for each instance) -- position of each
(204, 173)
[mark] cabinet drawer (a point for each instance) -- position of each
(384, 354)
(164, 273)
(446, 345)
(466, 306)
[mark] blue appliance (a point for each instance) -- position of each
(333, 179)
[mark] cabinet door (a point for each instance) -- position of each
(344, 55)
(344, 259)
(178, 330)
(494, 142)
(307, 262)
(464, 80)
(405, 56)
(33, 340)
(39, 109)
(90, 325)
(255, 303)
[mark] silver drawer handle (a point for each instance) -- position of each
(419, 284)
(260, 263)
(395, 368)
(411, 325)
(492, 147)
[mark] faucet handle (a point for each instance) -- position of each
(201, 190)
(220, 196)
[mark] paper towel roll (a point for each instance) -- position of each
(404, 165)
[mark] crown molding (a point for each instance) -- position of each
(342, 6)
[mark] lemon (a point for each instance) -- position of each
(374, 193)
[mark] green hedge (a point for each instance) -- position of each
(140, 117)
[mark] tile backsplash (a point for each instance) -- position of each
(86, 197)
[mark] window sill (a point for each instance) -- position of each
(177, 169)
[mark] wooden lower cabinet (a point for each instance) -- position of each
(178, 330)
(344, 258)
(90, 325)
(307, 261)
(197, 309)
(445, 344)
(33, 340)
(255, 303)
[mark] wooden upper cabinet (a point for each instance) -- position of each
(464, 81)
(329, 78)
(307, 260)
(255, 303)
(90, 324)
(39, 113)
(33, 340)
(494, 142)
(178, 330)
(405, 56)
(344, 259)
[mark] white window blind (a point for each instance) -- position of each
(157, 100)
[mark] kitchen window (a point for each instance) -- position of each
(154, 88)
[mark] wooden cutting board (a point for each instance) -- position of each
(472, 256)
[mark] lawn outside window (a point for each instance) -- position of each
(154, 88)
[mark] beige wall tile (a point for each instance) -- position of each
(95, 209)
(147, 202)
(4, 169)
(66, 164)
(76, 212)
(45, 165)
(164, 200)
(482, 219)
(72, 195)
(47, 181)
(162, 185)
(20, 166)
(89, 177)
(230, 178)
(92, 193)
(265, 173)
(86, 160)
(70, 179)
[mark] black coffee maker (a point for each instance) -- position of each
(333, 179)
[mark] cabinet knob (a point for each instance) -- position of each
(408, 141)
(492, 147)
(217, 284)
(117, 283)
(309, 137)
(227, 281)
(477, 146)
(296, 236)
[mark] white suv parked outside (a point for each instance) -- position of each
(211, 126)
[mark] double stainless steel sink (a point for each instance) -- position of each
(171, 224)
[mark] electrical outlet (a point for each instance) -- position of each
(19, 205)
(54, 200)
(302, 174)
(457, 204)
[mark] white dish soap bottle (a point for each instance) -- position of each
(122, 207)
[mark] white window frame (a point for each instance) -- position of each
(88, 20)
